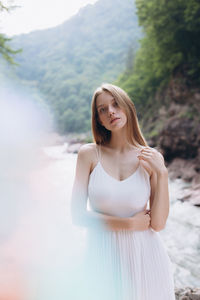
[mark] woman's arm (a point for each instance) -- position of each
(81, 216)
(159, 199)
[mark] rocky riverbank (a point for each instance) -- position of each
(171, 122)
(185, 169)
(187, 294)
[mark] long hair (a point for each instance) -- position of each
(100, 134)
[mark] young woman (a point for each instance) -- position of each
(119, 175)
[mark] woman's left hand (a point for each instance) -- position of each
(153, 158)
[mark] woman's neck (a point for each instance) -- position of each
(119, 141)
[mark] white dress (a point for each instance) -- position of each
(125, 264)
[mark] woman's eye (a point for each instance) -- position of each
(115, 104)
(102, 110)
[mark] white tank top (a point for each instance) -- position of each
(118, 198)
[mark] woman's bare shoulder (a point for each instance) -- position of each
(87, 151)
(87, 148)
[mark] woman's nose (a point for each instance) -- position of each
(111, 110)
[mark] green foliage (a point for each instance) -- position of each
(171, 45)
(68, 62)
(5, 50)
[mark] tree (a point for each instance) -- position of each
(5, 50)
(173, 29)
(170, 47)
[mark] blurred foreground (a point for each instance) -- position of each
(40, 251)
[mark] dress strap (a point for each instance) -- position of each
(98, 152)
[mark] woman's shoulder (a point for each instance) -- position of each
(88, 148)
(87, 151)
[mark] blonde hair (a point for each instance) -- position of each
(100, 134)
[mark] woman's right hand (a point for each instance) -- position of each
(141, 221)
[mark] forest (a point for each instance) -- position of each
(170, 47)
(140, 46)
(62, 66)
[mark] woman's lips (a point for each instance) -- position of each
(115, 119)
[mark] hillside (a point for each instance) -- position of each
(66, 63)
(172, 123)
(164, 84)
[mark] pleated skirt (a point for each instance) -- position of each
(127, 265)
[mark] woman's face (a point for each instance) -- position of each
(111, 116)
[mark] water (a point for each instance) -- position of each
(39, 245)
(182, 237)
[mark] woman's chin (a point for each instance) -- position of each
(118, 127)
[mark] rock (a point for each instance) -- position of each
(191, 195)
(178, 138)
(197, 96)
(196, 181)
(171, 122)
(187, 293)
(76, 140)
(185, 169)
(195, 198)
(195, 294)
(181, 168)
(73, 148)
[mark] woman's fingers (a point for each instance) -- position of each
(148, 151)
(144, 156)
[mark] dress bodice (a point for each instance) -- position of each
(118, 198)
